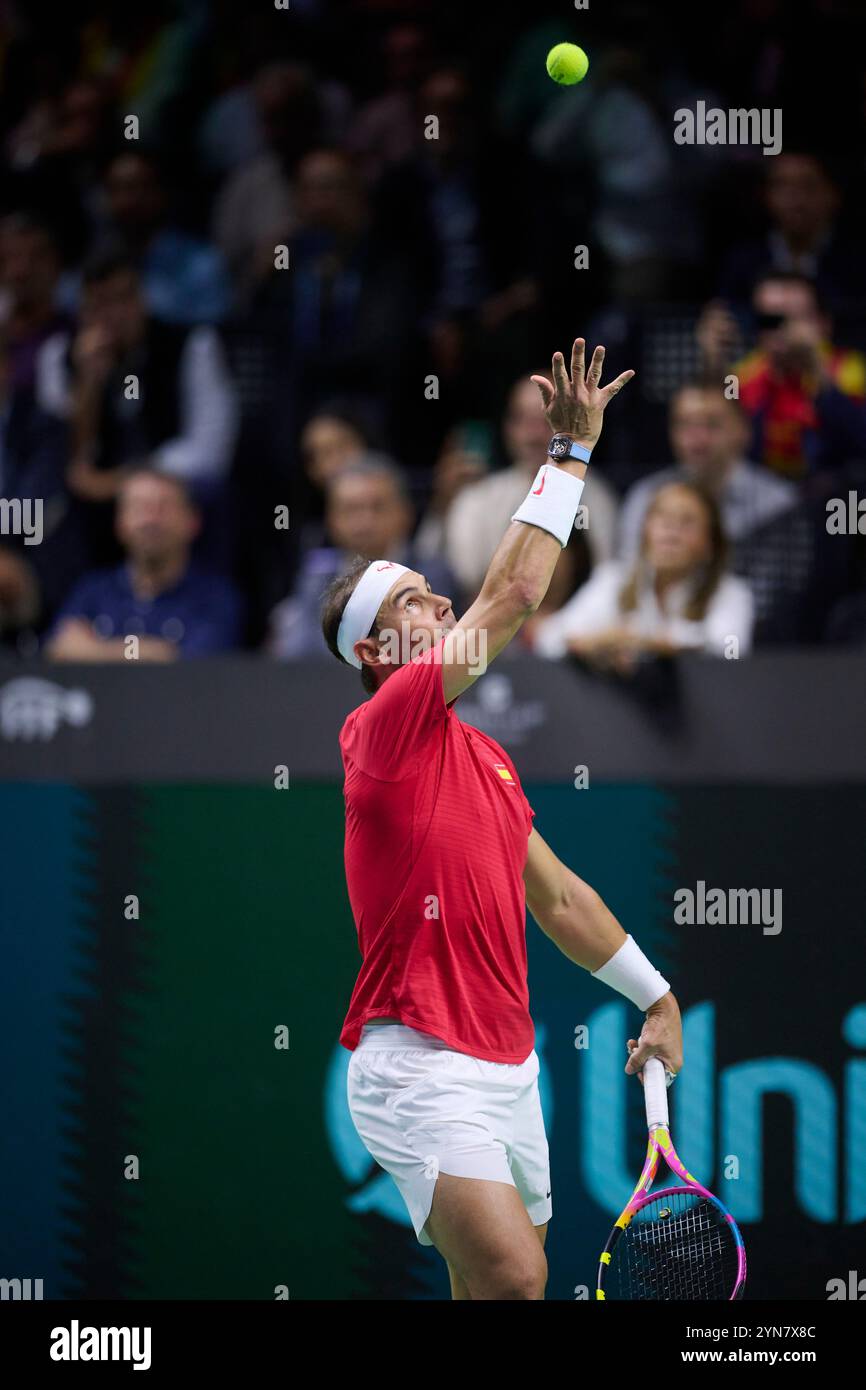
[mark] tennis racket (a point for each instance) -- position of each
(677, 1244)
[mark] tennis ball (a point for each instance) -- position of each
(567, 64)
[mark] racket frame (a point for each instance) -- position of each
(658, 1143)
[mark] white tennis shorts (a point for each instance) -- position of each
(423, 1109)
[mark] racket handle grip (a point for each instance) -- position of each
(655, 1092)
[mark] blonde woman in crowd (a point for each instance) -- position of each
(677, 596)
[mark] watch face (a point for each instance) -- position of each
(559, 446)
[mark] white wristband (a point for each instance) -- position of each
(552, 502)
(630, 973)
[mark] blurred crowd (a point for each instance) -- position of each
(273, 283)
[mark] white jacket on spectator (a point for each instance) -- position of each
(596, 606)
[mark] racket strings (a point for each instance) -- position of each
(677, 1247)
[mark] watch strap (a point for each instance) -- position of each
(574, 451)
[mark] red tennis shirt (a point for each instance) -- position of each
(437, 827)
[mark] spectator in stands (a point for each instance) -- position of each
(330, 440)
(368, 513)
(244, 120)
(613, 136)
(157, 595)
(36, 571)
(29, 279)
(481, 511)
(19, 599)
(255, 210)
(385, 130)
(149, 57)
(137, 390)
(802, 201)
(677, 596)
(709, 434)
(477, 264)
(183, 279)
(269, 559)
(351, 299)
(67, 165)
(459, 463)
(806, 397)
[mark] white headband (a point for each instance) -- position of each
(366, 600)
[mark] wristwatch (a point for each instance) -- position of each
(562, 446)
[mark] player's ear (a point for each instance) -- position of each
(367, 650)
(373, 652)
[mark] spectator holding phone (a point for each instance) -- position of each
(806, 397)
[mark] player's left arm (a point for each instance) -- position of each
(578, 921)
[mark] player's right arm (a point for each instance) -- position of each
(575, 918)
(521, 570)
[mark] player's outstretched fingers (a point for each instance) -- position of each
(577, 350)
(615, 386)
(544, 386)
(560, 375)
(593, 376)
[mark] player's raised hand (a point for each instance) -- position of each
(575, 404)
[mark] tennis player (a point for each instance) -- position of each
(442, 860)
